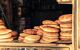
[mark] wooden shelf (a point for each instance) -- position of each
(16, 43)
(31, 45)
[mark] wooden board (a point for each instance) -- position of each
(30, 45)
(20, 44)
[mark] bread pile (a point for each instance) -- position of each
(29, 36)
(66, 27)
(5, 34)
(46, 33)
(50, 31)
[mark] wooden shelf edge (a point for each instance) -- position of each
(28, 45)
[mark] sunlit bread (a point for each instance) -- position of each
(45, 22)
(5, 31)
(65, 18)
(33, 38)
(49, 29)
(65, 29)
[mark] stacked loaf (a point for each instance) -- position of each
(50, 31)
(5, 34)
(66, 27)
(29, 36)
(45, 33)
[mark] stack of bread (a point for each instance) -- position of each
(5, 34)
(46, 33)
(50, 31)
(66, 27)
(29, 36)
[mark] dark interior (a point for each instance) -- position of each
(38, 15)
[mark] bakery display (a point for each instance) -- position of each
(66, 27)
(49, 36)
(28, 38)
(22, 36)
(50, 31)
(6, 35)
(30, 33)
(46, 33)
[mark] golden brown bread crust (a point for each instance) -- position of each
(66, 33)
(50, 34)
(66, 25)
(53, 26)
(40, 32)
(2, 27)
(5, 36)
(45, 22)
(66, 37)
(49, 29)
(27, 41)
(43, 41)
(2, 24)
(33, 38)
(29, 38)
(65, 18)
(21, 38)
(50, 39)
(57, 21)
(5, 31)
(65, 29)
(30, 31)
(24, 34)
(6, 40)
(36, 27)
